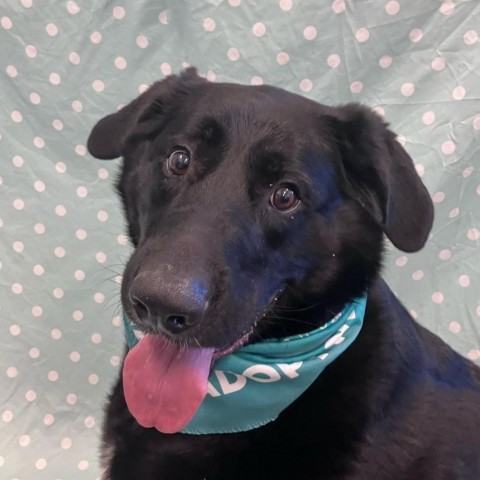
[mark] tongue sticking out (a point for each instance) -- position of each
(165, 384)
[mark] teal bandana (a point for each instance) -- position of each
(253, 385)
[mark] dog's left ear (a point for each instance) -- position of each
(383, 176)
(106, 139)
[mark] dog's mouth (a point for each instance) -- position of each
(165, 382)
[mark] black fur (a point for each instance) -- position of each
(399, 403)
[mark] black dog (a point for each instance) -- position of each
(255, 214)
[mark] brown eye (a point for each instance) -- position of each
(178, 162)
(284, 198)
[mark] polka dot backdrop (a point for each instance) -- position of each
(63, 66)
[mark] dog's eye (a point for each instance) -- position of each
(178, 162)
(284, 198)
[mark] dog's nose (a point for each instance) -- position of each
(168, 303)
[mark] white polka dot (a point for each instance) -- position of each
(163, 18)
(476, 123)
(93, 379)
(30, 395)
(52, 375)
(379, 111)
(401, 261)
(356, 87)
(17, 161)
(142, 41)
(102, 216)
(39, 186)
(59, 252)
(60, 167)
(7, 416)
(56, 334)
(116, 320)
(75, 357)
(283, 58)
(6, 23)
(438, 64)
(256, 80)
(18, 246)
(415, 35)
(438, 297)
(102, 173)
(18, 204)
(464, 280)
(77, 106)
(473, 234)
(467, 172)
(448, 147)
(12, 372)
(338, 6)
(447, 7)
(57, 125)
(417, 275)
(24, 441)
(98, 85)
(39, 142)
(333, 60)
(15, 330)
(82, 192)
(209, 24)
(77, 315)
(165, 68)
(17, 288)
(458, 93)
(72, 7)
(120, 63)
(11, 71)
(31, 51)
(438, 197)
(471, 37)
(41, 463)
(16, 116)
(37, 311)
(428, 118)
(285, 5)
(473, 354)
(310, 33)
(99, 297)
(392, 8)
(115, 360)
(51, 29)
(122, 240)
(58, 293)
(233, 54)
(60, 210)
(71, 399)
(96, 37)
(118, 279)
(454, 212)
(35, 98)
(407, 89)
(74, 58)
(79, 275)
(66, 443)
(83, 465)
(96, 338)
(362, 35)
(55, 78)
(89, 422)
(211, 76)
(48, 419)
(118, 13)
(81, 234)
(306, 85)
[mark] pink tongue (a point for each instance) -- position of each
(164, 384)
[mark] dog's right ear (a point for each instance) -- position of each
(106, 139)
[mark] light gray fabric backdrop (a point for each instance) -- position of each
(64, 64)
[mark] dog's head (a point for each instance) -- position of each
(236, 195)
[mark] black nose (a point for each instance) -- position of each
(168, 303)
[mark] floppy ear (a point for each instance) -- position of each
(383, 176)
(106, 138)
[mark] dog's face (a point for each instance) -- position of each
(238, 198)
